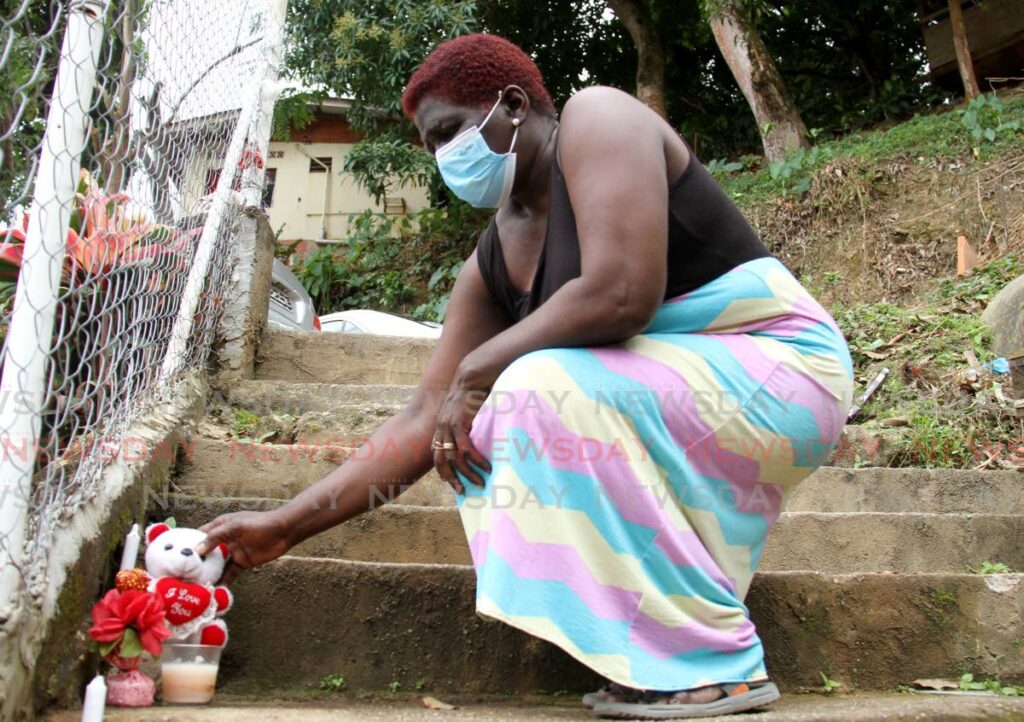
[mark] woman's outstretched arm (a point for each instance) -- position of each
(394, 456)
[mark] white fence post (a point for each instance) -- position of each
(207, 242)
(270, 89)
(31, 330)
(259, 103)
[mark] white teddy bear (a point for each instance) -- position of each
(186, 582)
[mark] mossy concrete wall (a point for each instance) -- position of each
(247, 297)
(50, 657)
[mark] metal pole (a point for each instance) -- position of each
(218, 208)
(35, 302)
(204, 249)
(270, 90)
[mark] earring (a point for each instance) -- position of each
(516, 122)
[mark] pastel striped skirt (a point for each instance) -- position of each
(633, 485)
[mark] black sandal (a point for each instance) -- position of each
(624, 694)
(660, 705)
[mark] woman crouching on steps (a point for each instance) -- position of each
(665, 381)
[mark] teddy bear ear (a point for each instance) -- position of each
(155, 530)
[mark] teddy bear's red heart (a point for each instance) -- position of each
(183, 601)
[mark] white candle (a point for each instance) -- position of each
(131, 549)
(95, 700)
(188, 683)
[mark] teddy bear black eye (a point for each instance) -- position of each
(168, 547)
(202, 557)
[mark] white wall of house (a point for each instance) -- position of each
(296, 207)
(297, 202)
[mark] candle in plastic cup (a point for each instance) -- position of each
(188, 673)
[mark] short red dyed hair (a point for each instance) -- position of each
(471, 70)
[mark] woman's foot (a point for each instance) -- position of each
(611, 692)
(684, 704)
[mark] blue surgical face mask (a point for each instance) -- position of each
(473, 171)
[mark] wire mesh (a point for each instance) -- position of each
(173, 81)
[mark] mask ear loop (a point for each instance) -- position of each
(493, 108)
(516, 122)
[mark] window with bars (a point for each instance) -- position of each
(317, 166)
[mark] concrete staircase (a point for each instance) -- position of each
(865, 577)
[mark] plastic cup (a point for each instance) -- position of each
(188, 673)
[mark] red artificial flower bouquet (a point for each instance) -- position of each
(128, 621)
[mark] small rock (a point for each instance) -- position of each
(431, 703)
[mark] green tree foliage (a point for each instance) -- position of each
(293, 111)
(366, 50)
(29, 61)
(575, 44)
(847, 65)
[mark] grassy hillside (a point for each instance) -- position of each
(876, 214)
(870, 223)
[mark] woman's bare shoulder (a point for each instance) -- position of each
(605, 117)
(601, 99)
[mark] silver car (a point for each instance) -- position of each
(291, 308)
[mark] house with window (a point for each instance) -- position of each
(305, 194)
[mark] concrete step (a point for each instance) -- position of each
(263, 397)
(837, 543)
(415, 624)
(858, 707)
(348, 425)
(233, 468)
(939, 491)
(394, 533)
(341, 358)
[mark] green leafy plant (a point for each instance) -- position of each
(244, 423)
(969, 684)
(719, 167)
(987, 567)
(388, 164)
(333, 683)
(860, 462)
(293, 111)
(365, 274)
(395, 686)
(983, 119)
(829, 685)
(793, 173)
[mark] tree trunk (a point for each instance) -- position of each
(963, 50)
(650, 66)
(778, 121)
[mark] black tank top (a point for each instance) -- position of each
(707, 237)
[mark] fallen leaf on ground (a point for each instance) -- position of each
(935, 684)
(431, 703)
(895, 421)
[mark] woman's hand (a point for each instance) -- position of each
(252, 538)
(453, 449)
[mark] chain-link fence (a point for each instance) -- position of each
(131, 134)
